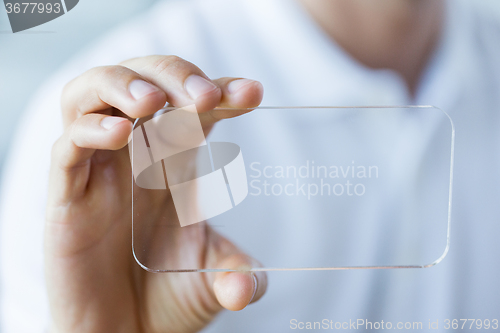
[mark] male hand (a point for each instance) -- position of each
(94, 284)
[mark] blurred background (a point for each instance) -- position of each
(28, 58)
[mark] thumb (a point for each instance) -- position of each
(239, 286)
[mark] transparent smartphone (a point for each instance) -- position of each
(295, 187)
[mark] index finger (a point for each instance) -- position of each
(102, 88)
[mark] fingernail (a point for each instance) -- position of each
(138, 89)
(109, 122)
(236, 85)
(254, 288)
(197, 86)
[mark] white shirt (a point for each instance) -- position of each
(276, 43)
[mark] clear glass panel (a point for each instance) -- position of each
(296, 188)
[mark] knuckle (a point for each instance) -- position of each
(65, 96)
(104, 73)
(88, 87)
(127, 61)
(168, 63)
(56, 148)
(60, 153)
(91, 79)
(72, 129)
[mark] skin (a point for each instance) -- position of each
(394, 34)
(93, 282)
